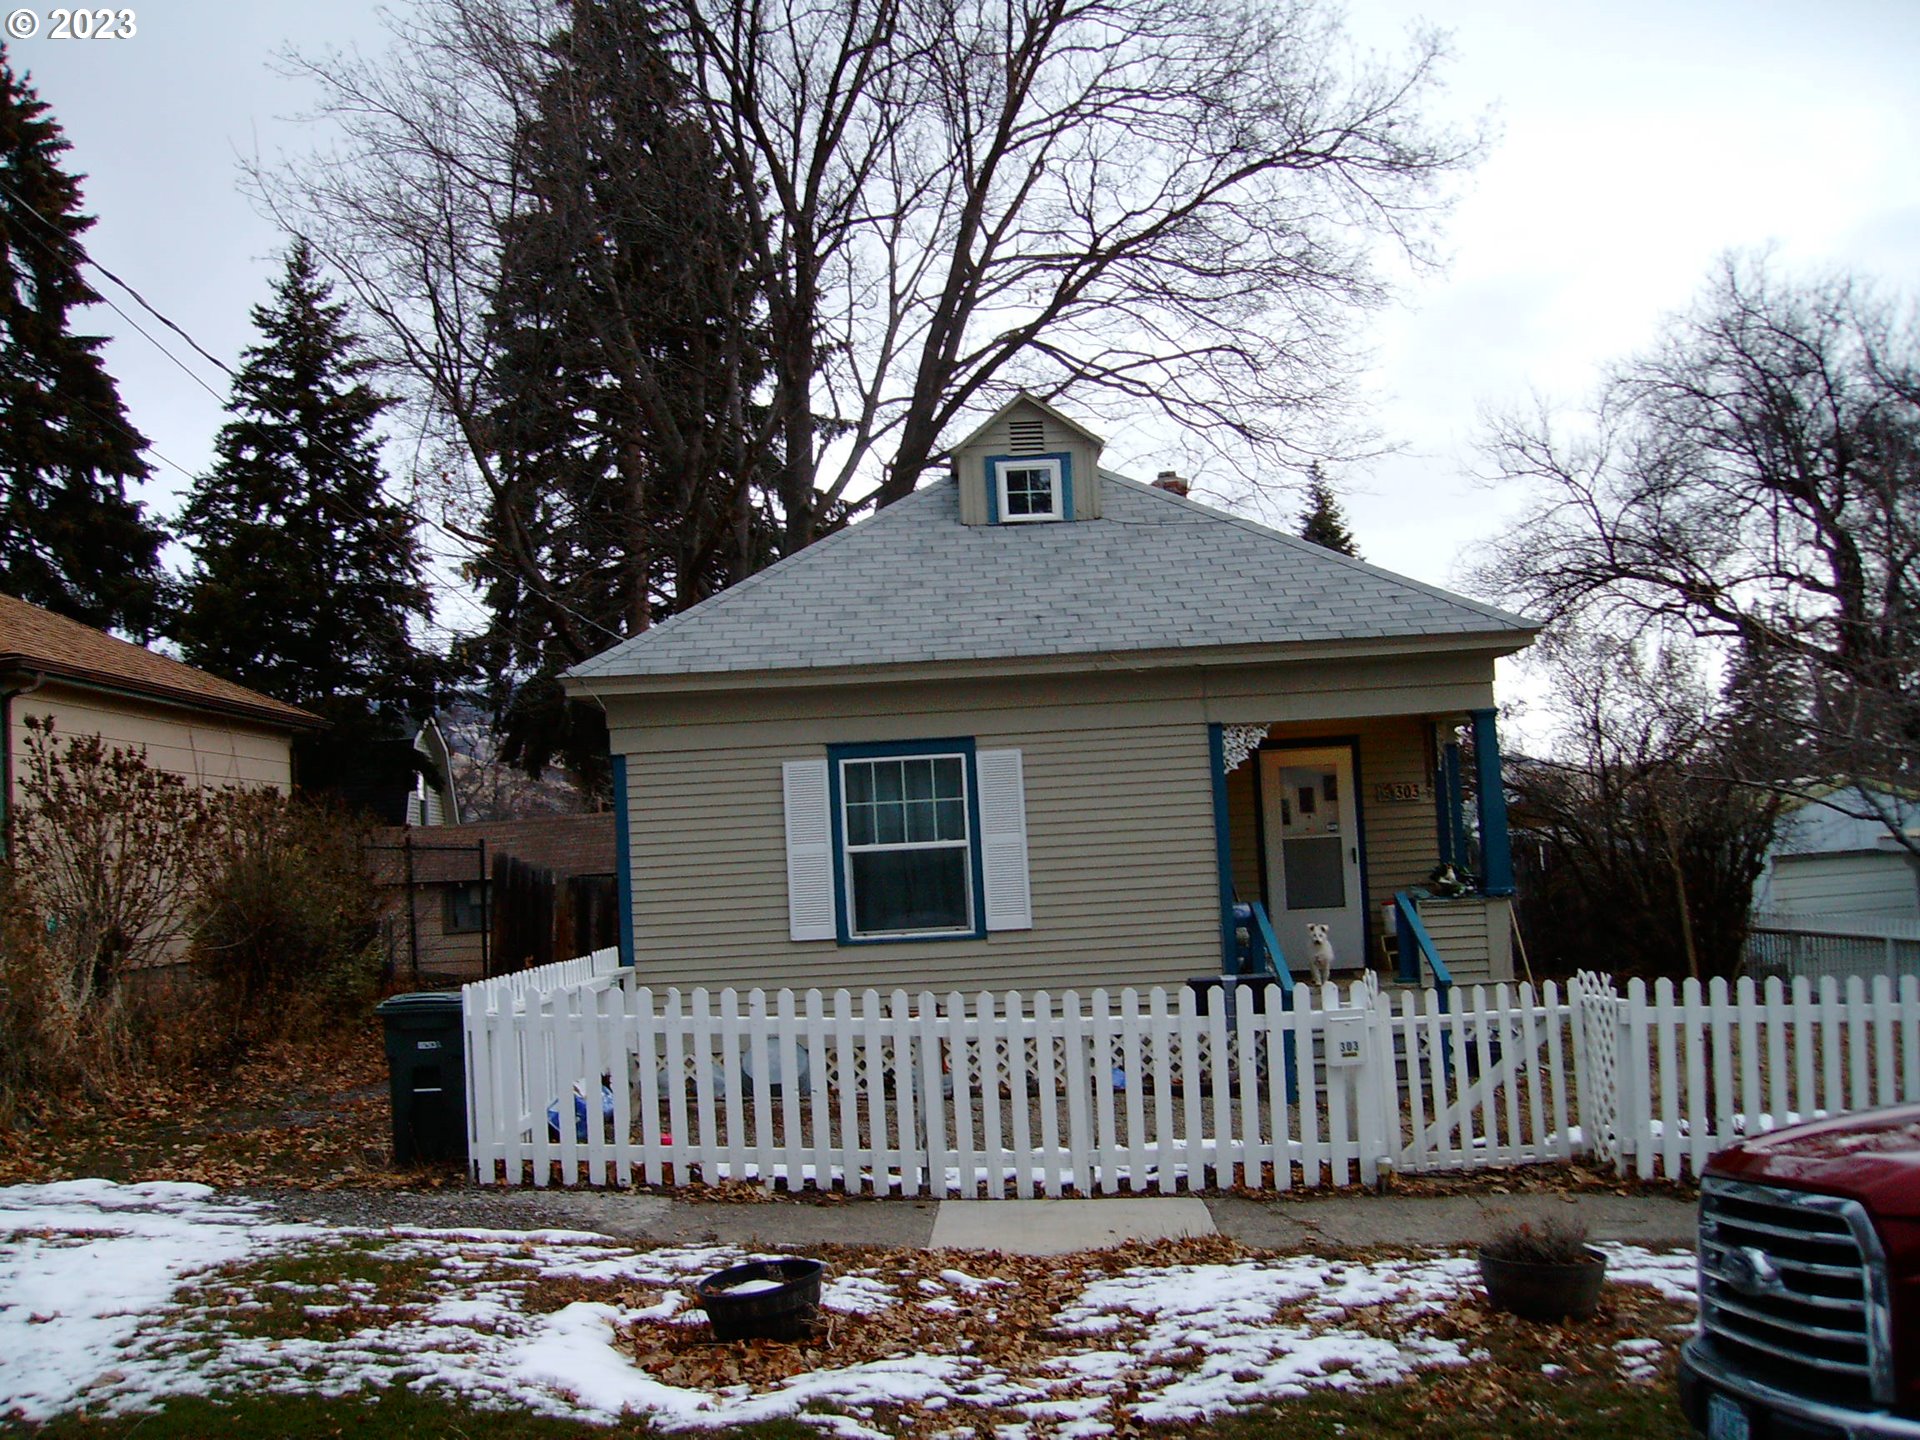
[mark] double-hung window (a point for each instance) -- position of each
(906, 840)
(1031, 488)
(906, 844)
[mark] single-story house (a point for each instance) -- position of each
(1038, 725)
(207, 730)
(1835, 857)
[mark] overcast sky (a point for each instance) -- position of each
(1637, 140)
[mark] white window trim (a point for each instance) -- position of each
(1049, 464)
(965, 845)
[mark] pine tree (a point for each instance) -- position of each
(1322, 521)
(71, 539)
(305, 574)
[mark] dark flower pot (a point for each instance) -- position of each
(763, 1299)
(1536, 1291)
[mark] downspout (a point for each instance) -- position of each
(6, 759)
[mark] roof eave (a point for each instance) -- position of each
(274, 714)
(1494, 643)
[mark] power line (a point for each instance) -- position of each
(81, 257)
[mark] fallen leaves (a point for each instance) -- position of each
(310, 1113)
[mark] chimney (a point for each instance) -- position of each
(1170, 481)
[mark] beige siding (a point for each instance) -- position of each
(970, 467)
(1473, 936)
(1120, 858)
(203, 748)
(1243, 831)
(1119, 814)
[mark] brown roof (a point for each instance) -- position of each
(38, 640)
(442, 854)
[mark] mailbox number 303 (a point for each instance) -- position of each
(91, 24)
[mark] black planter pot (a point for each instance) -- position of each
(1545, 1292)
(780, 1310)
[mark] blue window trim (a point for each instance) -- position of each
(904, 749)
(994, 462)
(623, 859)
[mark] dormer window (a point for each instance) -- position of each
(1027, 488)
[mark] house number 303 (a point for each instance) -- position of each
(1399, 790)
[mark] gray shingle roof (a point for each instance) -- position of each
(1156, 572)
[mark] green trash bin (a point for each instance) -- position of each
(426, 1076)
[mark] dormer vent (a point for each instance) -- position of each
(1026, 436)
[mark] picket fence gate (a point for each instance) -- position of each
(572, 1078)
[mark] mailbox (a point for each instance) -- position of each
(1346, 1037)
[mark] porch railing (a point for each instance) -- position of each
(1417, 945)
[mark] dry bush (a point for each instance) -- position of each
(106, 849)
(285, 921)
(152, 926)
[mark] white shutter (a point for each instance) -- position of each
(1003, 839)
(810, 913)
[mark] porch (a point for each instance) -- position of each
(1375, 829)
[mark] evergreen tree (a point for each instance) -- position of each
(305, 575)
(1322, 521)
(71, 539)
(628, 461)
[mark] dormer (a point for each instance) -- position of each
(1028, 465)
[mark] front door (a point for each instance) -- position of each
(1312, 836)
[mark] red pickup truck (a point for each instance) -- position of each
(1810, 1284)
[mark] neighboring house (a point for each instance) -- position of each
(1827, 863)
(204, 729)
(432, 801)
(398, 780)
(465, 901)
(1038, 726)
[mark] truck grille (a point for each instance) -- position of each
(1793, 1289)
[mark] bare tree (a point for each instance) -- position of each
(1164, 203)
(1647, 849)
(1752, 484)
(1161, 203)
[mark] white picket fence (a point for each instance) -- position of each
(1691, 1069)
(571, 1076)
(575, 1076)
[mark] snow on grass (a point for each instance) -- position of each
(114, 1296)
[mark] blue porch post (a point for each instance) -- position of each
(622, 860)
(1496, 854)
(1222, 841)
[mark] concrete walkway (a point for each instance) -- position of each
(1031, 1227)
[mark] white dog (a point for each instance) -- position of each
(1319, 954)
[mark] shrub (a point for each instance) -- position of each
(150, 924)
(1539, 1242)
(286, 918)
(105, 852)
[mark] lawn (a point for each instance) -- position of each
(118, 1299)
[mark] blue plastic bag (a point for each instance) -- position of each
(579, 1113)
